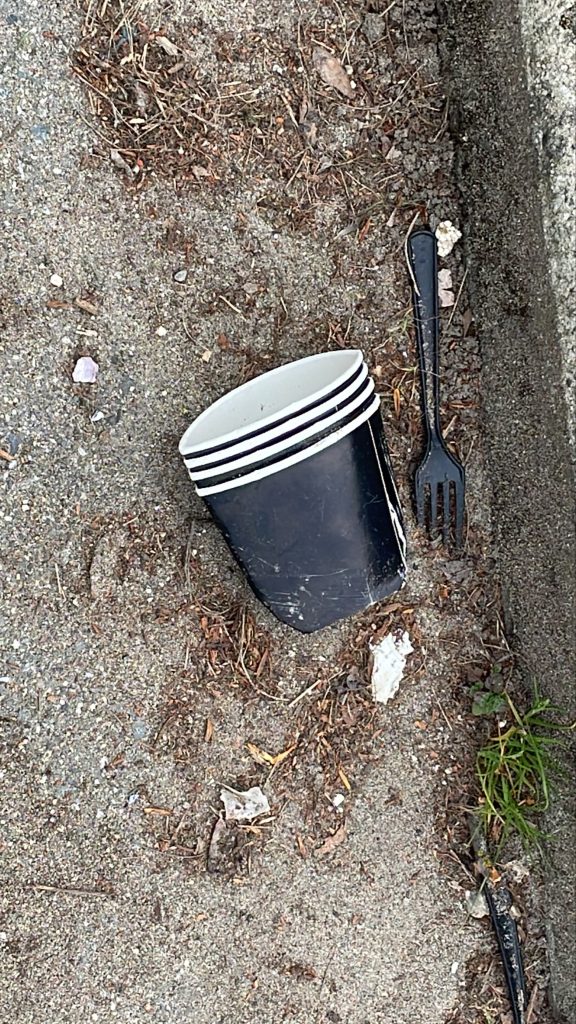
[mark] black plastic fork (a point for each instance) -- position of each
(440, 474)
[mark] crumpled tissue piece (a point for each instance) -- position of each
(446, 236)
(244, 806)
(390, 654)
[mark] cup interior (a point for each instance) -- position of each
(284, 428)
(284, 392)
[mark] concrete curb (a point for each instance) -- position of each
(518, 210)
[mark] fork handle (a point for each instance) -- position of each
(422, 254)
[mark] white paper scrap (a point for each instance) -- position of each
(390, 655)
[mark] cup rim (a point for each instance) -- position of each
(301, 436)
(351, 358)
(288, 426)
(291, 460)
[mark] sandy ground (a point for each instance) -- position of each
(125, 624)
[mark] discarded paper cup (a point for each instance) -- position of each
(270, 399)
(286, 427)
(317, 533)
(290, 442)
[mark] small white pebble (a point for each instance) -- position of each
(161, 332)
(206, 356)
(180, 276)
(85, 371)
(56, 280)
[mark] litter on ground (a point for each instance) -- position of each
(447, 235)
(390, 656)
(445, 288)
(244, 806)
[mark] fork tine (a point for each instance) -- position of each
(433, 507)
(446, 511)
(459, 491)
(420, 502)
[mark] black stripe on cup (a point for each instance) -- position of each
(213, 479)
(280, 421)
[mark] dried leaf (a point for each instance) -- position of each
(331, 843)
(162, 812)
(364, 229)
(142, 97)
(301, 846)
(262, 665)
(344, 779)
(266, 759)
(168, 46)
(86, 306)
(302, 971)
(397, 401)
(119, 161)
(393, 154)
(6, 455)
(260, 756)
(209, 731)
(58, 304)
(467, 320)
(389, 609)
(308, 123)
(284, 754)
(223, 342)
(218, 833)
(332, 73)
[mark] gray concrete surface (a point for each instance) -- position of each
(107, 913)
(512, 99)
(548, 32)
(109, 790)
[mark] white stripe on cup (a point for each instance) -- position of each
(253, 458)
(287, 426)
(307, 453)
